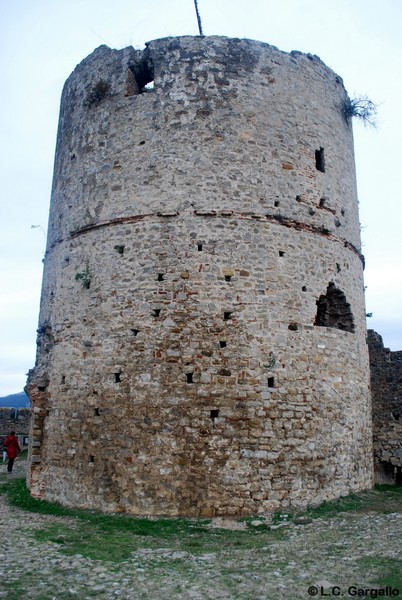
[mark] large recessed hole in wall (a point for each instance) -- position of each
(199, 246)
(91, 458)
(222, 344)
(281, 253)
(334, 311)
(63, 380)
(276, 203)
(96, 412)
(135, 332)
(271, 382)
(117, 377)
(228, 277)
(160, 277)
(227, 315)
(156, 312)
(298, 198)
(319, 160)
(304, 289)
(141, 143)
(140, 77)
(189, 377)
(41, 388)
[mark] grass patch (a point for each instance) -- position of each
(383, 571)
(115, 537)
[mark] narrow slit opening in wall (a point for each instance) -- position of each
(271, 382)
(117, 377)
(319, 160)
(161, 276)
(199, 247)
(91, 458)
(189, 377)
(63, 380)
(322, 202)
(96, 412)
(227, 315)
(156, 312)
(213, 414)
(222, 344)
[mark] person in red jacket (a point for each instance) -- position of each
(13, 449)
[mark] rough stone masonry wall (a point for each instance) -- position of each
(13, 419)
(386, 389)
(201, 345)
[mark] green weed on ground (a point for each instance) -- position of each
(114, 537)
(383, 571)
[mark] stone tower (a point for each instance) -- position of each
(201, 344)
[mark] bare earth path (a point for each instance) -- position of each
(347, 555)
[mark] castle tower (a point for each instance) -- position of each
(201, 344)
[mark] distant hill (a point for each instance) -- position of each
(19, 400)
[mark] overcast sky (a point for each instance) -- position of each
(41, 41)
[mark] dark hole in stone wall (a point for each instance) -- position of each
(334, 311)
(319, 160)
(276, 203)
(293, 327)
(227, 315)
(228, 277)
(304, 289)
(222, 344)
(199, 246)
(117, 377)
(189, 377)
(135, 332)
(91, 458)
(271, 382)
(160, 277)
(139, 76)
(156, 312)
(63, 380)
(96, 412)
(281, 253)
(213, 414)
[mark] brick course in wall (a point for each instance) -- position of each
(201, 345)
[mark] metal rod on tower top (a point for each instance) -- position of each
(198, 17)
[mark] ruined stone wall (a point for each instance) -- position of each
(386, 388)
(12, 419)
(201, 344)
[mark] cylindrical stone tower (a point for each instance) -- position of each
(201, 344)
